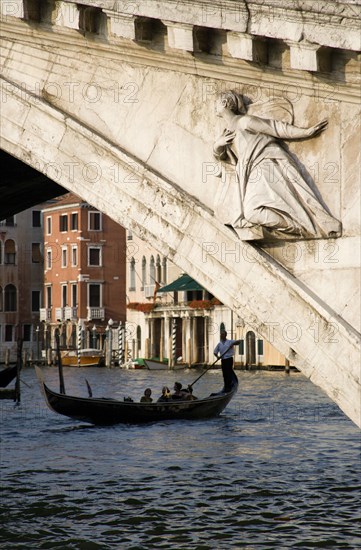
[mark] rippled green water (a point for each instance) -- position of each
(279, 469)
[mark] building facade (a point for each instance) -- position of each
(170, 316)
(21, 282)
(84, 273)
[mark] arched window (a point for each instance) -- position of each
(10, 252)
(158, 271)
(10, 298)
(151, 271)
(164, 278)
(144, 272)
(222, 327)
(132, 275)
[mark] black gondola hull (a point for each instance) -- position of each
(106, 411)
(7, 375)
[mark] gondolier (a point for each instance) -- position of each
(225, 349)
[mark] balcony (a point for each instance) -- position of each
(45, 314)
(59, 313)
(95, 313)
(149, 291)
(70, 313)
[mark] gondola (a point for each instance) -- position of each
(107, 411)
(7, 375)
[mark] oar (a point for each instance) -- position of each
(210, 366)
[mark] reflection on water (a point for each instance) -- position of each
(279, 469)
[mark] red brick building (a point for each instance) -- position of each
(21, 281)
(84, 271)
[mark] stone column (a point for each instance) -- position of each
(166, 336)
(147, 339)
(206, 347)
(161, 343)
(194, 340)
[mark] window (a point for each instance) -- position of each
(35, 253)
(27, 333)
(151, 271)
(64, 296)
(48, 259)
(9, 331)
(94, 256)
(63, 222)
(164, 279)
(94, 221)
(49, 298)
(94, 298)
(64, 256)
(74, 295)
(10, 298)
(48, 225)
(36, 218)
(74, 255)
(259, 347)
(241, 347)
(1, 298)
(132, 275)
(74, 221)
(158, 270)
(10, 252)
(35, 300)
(144, 272)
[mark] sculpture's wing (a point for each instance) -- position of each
(279, 108)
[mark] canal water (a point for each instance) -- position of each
(279, 469)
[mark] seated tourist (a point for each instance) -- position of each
(146, 398)
(189, 394)
(178, 392)
(165, 394)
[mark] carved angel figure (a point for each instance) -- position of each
(270, 189)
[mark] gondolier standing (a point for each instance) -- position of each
(225, 350)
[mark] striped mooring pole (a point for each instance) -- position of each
(79, 341)
(174, 340)
(120, 343)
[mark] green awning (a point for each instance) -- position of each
(185, 282)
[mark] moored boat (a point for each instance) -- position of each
(106, 411)
(7, 375)
(87, 358)
(154, 364)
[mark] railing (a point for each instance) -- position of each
(95, 313)
(59, 313)
(45, 314)
(70, 313)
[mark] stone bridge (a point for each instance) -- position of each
(114, 101)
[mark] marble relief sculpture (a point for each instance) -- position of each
(269, 190)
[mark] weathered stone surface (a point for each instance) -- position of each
(180, 36)
(141, 123)
(192, 238)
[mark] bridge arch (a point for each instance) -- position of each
(185, 230)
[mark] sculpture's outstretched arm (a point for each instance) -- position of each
(281, 130)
